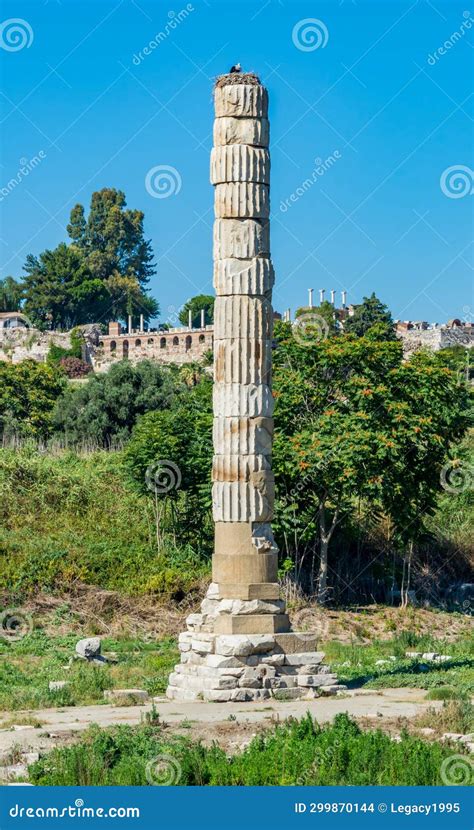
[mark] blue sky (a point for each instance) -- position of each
(389, 215)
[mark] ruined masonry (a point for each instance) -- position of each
(240, 647)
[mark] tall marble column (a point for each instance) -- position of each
(240, 646)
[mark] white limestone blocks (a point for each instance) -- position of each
(244, 501)
(243, 436)
(252, 131)
(241, 100)
(243, 361)
(233, 400)
(240, 239)
(244, 317)
(241, 200)
(240, 163)
(253, 277)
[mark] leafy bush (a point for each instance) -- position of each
(105, 409)
(28, 393)
(299, 752)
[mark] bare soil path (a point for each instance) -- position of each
(230, 724)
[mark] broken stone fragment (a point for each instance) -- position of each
(89, 648)
(57, 685)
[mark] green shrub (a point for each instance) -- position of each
(298, 752)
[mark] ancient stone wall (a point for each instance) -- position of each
(436, 338)
(178, 346)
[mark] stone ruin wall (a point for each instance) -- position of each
(18, 344)
(435, 338)
(176, 346)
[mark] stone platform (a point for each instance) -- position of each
(219, 666)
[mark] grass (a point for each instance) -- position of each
(356, 666)
(70, 518)
(454, 716)
(297, 752)
(27, 666)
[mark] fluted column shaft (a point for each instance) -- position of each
(245, 555)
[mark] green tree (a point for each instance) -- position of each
(104, 410)
(102, 275)
(354, 422)
(28, 393)
(115, 250)
(11, 294)
(59, 291)
(371, 312)
(322, 317)
(169, 457)
(195, 305)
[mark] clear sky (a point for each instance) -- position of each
(388, 214)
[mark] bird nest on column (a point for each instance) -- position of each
(249, 78)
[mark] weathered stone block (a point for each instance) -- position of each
(316, 679)
(241, 200)
(202, 646)
(248, 362)
(229, 130)
(235, 400)
(233, 646)
(252, 624)
(218, 661)
(261, 590)
(215, 696)
(131, 696)
(243, 538)
(241, 100)
(241, 239)
(243, 318)
(251, 678)
(251, 277)
(307, 657)
(239, 501)
(242, 436)
(240, 163)
(238, 467)
(239, 695)
(291, 643)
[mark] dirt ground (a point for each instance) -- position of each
(90, 610)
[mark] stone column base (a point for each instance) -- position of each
(235, 668)
(238, 650)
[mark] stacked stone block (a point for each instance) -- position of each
(240, 646)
